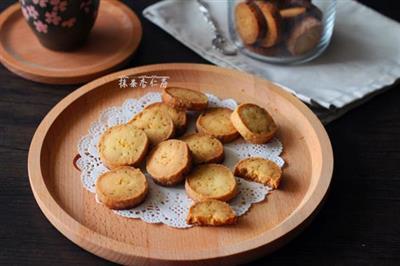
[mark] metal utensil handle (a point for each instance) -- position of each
(218, 42)
(203, 7)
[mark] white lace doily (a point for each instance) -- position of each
(170, 205)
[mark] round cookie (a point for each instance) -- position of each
(123, 145)
(211, 212)
(204, 148)
(249, 23)
(216, 122)
(259, 170)
(168, 162)
(254, 123)
(292, 12)
(122, 188)
(305, 35)
(211, 181)
(179, 117)
(157, 124)
(273, 22)
(185, 99)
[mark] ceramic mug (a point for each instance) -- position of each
(60, 25)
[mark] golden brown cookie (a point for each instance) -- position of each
(254, 123)
(216, 122)
(123, 145)
(156, 123)
(292, 12)
(204, 148)
(305, 35)
(249, 22)
(122, 188)
(211, 181)
(168, 162)
(259, 170)
(185, 99)
(211, 212)
(179, 117)
(273, 21)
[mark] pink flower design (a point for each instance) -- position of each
(60, 6)
(25, 13)
(32, 11)
(42, 3)
(69, 23)
(63, 6)
(85, 5)
(52, 18)
(54, 2)
(40, 26)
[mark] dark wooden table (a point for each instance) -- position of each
(359, 223)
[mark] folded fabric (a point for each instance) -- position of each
(363, 57)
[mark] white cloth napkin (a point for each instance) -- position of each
(363, 58)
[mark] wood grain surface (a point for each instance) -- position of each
(358, 224)
(21, 52)
(73, 210)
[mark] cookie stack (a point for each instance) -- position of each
(155, 139)
(288, 26)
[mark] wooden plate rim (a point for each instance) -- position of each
(89, 240)
(71, 76)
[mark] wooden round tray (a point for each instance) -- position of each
(114, 39)
(73, 210)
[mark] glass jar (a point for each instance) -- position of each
(282, 31)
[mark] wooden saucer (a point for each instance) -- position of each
(113, 40)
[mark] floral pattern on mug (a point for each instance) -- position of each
(85, 5)
(59, 5)
(40, 26)
(62, 6)
(54, 2)
(42, 3)
(52, 17)
(25, 13)
(69, 23)
(31, 10)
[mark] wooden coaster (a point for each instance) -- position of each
(114, 39)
